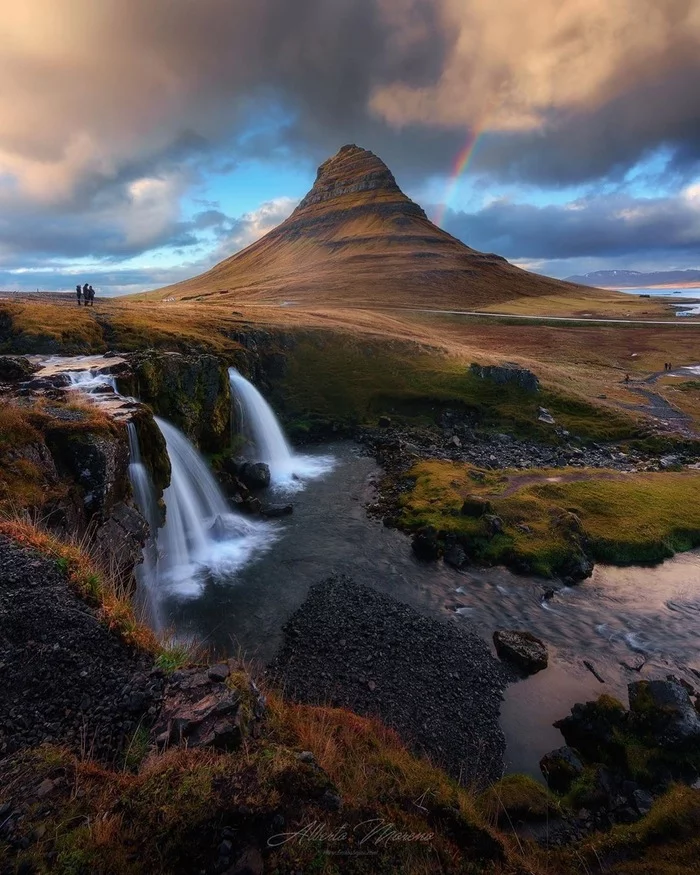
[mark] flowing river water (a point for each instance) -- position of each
(627, 622)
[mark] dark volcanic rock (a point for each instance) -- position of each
(65, 678)
(663, 709)
(200, 711)
(507, 373)
(434, 682)
(522, 649)
(560, 768)
(425, 544)
(14, 368)
(254, 475)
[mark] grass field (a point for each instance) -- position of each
(550, 515)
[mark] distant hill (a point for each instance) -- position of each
(634, 279)
(357, 240)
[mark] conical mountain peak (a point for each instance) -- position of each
(353, 177)
(357, 240)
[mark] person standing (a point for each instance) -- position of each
(78, 293)
(92, 295)
(86, 293)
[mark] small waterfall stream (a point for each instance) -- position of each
(202, 538)
(267, 442)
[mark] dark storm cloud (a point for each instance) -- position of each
(610, 226)
(112, 111)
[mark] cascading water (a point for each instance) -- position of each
(201, 535)
(267, 442)
(147, 503)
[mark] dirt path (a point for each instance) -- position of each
(519, 482)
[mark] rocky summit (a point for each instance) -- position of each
(357, 240)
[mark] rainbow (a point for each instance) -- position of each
(460, 165)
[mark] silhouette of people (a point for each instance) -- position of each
(91, 294)
(78, 293)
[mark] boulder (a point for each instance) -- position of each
(560, 768)
(455, 556)
(254, 475)
(507, 373)
(14, 368)
(425, 544)
(273, 511)
(200, 710)
(384, 421)
(475, 506)
(522, 649)
(663, 710)
(494, 524)
(594, 728)
(543, 415)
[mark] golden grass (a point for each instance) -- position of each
(622, 518)
(109, 596)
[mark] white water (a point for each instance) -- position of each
(201, 538)
(201, 535)
(267, 442)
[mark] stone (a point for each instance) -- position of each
(522, 649)
(455, 441)
(250, 862)
(219, 672)
(306, 756)
(425, 544)
(45, 788)
(456, 557)
(643, 801)
(664, 711)
(255, 475)
(507, 373)
(475, 506)
(14, 368)
(384, 421)
(543, 415)
(560, 768)
(274, 511)
(668, 462)
(494, 523)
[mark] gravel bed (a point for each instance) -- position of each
(64, 677)
(435, 683)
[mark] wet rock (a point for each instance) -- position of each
(456, 557)
(663, 709)
(273, 511)
(560, 768)
(507, 373)
(594, 727)
(425, 544)
(522, 649)
(255, 475)
(14, 368)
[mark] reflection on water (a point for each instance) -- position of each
(645, 618)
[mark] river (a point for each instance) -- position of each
(621, 615)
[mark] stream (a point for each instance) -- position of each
(243, 581)
(620, 615)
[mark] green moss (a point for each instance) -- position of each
(517, 797)
(549, 526)
(348, 380)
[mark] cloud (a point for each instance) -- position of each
(112, 112)
(604, 227)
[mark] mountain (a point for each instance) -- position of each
(634, 279)
(357, 240)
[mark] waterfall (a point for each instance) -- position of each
(201, 535)
(267, 441)
(201, 538)
(147, 503)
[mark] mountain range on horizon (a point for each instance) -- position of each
(357, 240)
(635, 279)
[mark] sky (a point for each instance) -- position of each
(142, 142)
